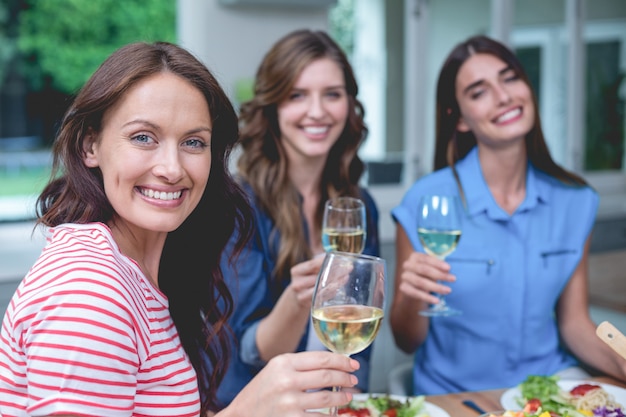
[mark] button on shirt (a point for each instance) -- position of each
(510, 270)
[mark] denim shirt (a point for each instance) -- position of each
(255, 292)
(511, 270)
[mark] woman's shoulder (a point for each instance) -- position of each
(75, 238)
(83, 256)
(251, 196)
(79, 267)
(367, 197)
(560, 189)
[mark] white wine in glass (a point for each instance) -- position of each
(344, 225)
(347, 329)
(348, 302)
(439, 231)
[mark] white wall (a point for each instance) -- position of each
(231, 40)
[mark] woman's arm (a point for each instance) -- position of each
(282, 329)
(577, 328)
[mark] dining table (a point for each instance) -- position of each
(488, 400)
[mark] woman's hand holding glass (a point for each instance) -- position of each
(289, 385)
(439, 231)
(303, 278)
(424, 277)
(348, 302)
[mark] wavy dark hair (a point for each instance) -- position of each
(452, 145)
(189, 272)
(264, 164)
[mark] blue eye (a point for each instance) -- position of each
(143, 138)
(195, 143)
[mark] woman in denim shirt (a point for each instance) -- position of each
(519, 273)
(299, 134)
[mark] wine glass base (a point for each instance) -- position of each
(440, 312)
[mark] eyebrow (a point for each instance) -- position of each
(330, 87)
(153, 126)
(481, 81)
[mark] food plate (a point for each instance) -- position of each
(509, 397)
(430, 408)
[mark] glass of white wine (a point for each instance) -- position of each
(348, 302)
(439, 231)
(344, 225)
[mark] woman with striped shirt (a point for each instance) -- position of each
(114, 316)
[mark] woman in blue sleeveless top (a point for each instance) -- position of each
(519, 273)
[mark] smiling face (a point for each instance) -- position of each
(495, 103)
(154, 153)
(314, 114)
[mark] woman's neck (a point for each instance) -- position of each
(142, 246)
(306, 175)
(504, 171)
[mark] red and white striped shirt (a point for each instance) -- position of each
(86, 333)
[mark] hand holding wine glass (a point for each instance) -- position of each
(439, 231)
(348, 302)
(344, 225)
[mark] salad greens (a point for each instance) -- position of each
(546, 390)
(553, 398)
(540, 387)
(378, 404)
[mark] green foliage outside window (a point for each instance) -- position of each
(64, 41)
(7, 45)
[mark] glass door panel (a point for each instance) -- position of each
(604, 115)
(601, 87)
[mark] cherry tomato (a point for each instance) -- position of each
(582, 389)
(392, 412)
(351, 412)
(532, 405)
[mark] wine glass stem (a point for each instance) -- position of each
(334, 411)
(442, 302)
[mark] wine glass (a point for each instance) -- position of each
(348, 302)
(344, 225)
(439, 231)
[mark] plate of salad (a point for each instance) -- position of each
(387, 405)
(565, 397)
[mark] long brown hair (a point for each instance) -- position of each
(452, 145)
(189, 273)
(263, 163)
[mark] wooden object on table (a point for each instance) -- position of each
(487, 400)
(612, 337)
